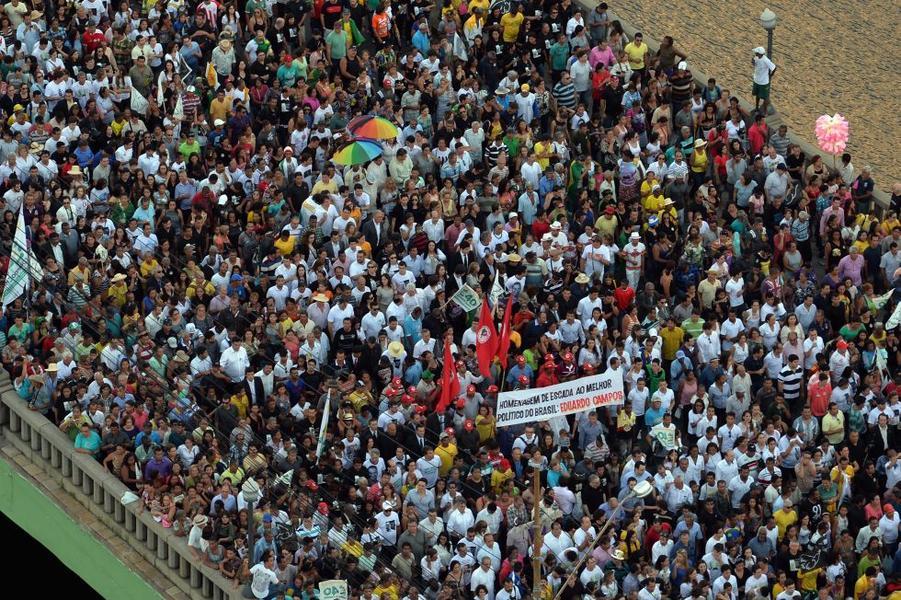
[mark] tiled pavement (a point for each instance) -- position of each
(832, 57)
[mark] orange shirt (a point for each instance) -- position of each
(819, 394)
(380, 25)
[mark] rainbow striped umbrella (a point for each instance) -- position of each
(371, 127)
(358, 152)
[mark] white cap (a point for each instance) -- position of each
(218, 122)
(387, 505)
(635, 236)
(682, 65)
(759, 50)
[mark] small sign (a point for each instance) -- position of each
(333, 589)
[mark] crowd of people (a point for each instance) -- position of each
(221, 302)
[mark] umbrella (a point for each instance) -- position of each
(358, 152)
(375, 128)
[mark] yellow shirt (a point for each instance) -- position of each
(148, 267)
(511, 22)
(672, 339)
(116, 294)
(240, 402)
(285, 246)
(220, 109)
(699, 160)
(498, 479)
(861, 586)
(330, 187)
(606, 226)
(447, 455)
(636, 54)
(540, 149)
(483, 4)
(784, 520)
(485, 427)
(653, 204)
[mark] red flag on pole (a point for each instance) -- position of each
(450, 384)
(486, 339)
(503, 347)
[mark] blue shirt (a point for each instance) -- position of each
(90, 443)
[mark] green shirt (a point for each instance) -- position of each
(849, 334)
(187, 150)
(337, 43)
(693, 327)
(559, 55)
(90, 443)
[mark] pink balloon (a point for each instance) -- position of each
(832, 133)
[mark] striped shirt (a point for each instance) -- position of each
(791, 382)
(565, 94)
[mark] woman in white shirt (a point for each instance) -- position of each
(769, 330)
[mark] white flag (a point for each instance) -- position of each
(179, 111)
(895, 319)
(139, 103)
(326, 411)
(160, 92)
(23, 265)
(497, 290)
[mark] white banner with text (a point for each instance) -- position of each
(587, 393)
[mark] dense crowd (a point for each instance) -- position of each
(217, 293)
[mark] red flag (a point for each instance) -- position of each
(486, 339)
(450, 384)
(503, 347)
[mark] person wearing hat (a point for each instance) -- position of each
(764, 69)
(634, 254)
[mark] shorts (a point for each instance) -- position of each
(762, 91)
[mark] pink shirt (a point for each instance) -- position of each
(848, 267)
(598, 56)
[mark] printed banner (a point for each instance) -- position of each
(525, 406)
(333, 589)
(467, 299)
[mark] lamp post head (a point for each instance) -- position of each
(251, 491)
(768, 19)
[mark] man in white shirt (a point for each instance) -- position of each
(763, 72)
(234, 361)
(484, 575)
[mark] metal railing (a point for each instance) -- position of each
(100, 492)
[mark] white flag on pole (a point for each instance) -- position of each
(326, 411)
(23, 265)
(139, 103)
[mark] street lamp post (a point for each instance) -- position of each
(250, 490)
(768, 22)
(641, 489)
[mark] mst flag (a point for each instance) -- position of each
(450, 383)
(486, 339)
(503, 346)
(23, 265)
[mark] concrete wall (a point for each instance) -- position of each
(99, 492)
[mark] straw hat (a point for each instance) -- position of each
(119, 277)
(582, 278)
(182, 356)
(76, 170)
(514, 258)
(200, 521)
(52, 368)
(395, 349)
(617, 554)
(699, 143)
(36, 379)
(320, 297)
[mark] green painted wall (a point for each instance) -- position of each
(76, 547)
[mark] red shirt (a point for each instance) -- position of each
(539, 228)
(92, 40)
(624, 297)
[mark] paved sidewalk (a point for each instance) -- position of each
(832, 57)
